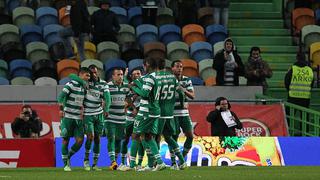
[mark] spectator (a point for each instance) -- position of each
(228, 65)
(187, 13)
(28, 124)
(220, 11)
(257, 70)
(79, 28)
(223, 120)
(105, 25)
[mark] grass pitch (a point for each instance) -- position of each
(212, 173)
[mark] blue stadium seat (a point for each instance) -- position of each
(135, 16)
(111, 64)
(196, 81)
(21, 68)
(146, 33)
(121, 14)
(12, 4)
(51, 35)
(30, 33)
(64, 81)
(317, 13)
(169, 33)
(46, 16)
(216, 33)
(134, 64)
(4, 81)
(200, 50)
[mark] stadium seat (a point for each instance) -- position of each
(192, 33)
(22, 16)
(205, 69)
(12, 4)
(64, 81)
(57, 51)
(64, 19)
(121, 14)
(216, 33)
(9, 33)
(51, 34)
(45, 81)
(154, 49)
(90, 50)
(169, 33)
(4, 81)
(317, 14)
(130, 50)
(37, 51)
(30, 33)
(177, 50)
(113, 63)
(5, 18)
(196, 81)
(66, 67)
(21, 81)
(3, 69)
(58, 4)
(315, 54)
(190, 68)
(218, 47)
(146, 33)
(200, 50)
(135, 16)
(310, 34)
(44, 68)
(168, 65)
(210, 81)
(21, 68)
(126, 33)
(164, 16)
(92, 9)
(135, 64)
(243, 81)
(99, 64)
(12, 51)
(302, 17)
(205, 16)
(46, 16)
(107, 50)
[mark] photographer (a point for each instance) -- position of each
(223, 121)
(28, 124)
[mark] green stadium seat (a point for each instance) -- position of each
(9, 33)
(21, 81)
(23, 16)
(310, 34)
(206, 70)
(92, 9)
(126, 33)
(107, 50)
(99, 64)
(177, 50)
(37, 51)
(3, 68)
(164, 16)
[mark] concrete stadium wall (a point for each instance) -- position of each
(49, 93)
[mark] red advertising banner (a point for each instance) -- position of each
(258, 120)
(26, 153)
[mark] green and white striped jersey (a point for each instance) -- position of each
(117, 107)
(186, 83)
(136, 103)
(73, 95)
(95, 97)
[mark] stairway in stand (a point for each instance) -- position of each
(260, 23)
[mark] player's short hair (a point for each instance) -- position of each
(156, 62)
(92, 66)
(255, 48)
(116, 68)
(175, 61)
(26, 106)
(84, 70)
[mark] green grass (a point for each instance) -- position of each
(214, 173)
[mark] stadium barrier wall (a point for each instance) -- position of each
(258, 120)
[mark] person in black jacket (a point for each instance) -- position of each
(228, 65)
(223, 121)
(104, 23)
(28, 124)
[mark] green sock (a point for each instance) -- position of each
(75, 148)
(133, 152)
(111, 149)
(175, 147)
(87, 149)
(154, 150)
(187, 146)
(124, 151)
(140, 153)
(145, 146)
(96, 152)
(117, 147)
(64, 151)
